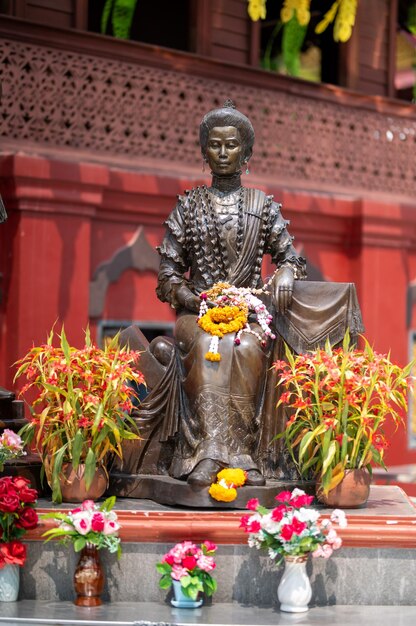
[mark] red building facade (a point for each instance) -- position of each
(98, 136)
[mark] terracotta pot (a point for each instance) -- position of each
(351, 493)
(73, 485)
(89, 578)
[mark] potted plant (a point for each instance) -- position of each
(290, 532)
(340, 400)
(17, 515)
(187, 567)
(89, 528)
(80, 413)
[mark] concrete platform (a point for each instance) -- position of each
(153, 614)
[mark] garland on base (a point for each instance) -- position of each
(231, 316)
(224, 490)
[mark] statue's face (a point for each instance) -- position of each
(224, 151)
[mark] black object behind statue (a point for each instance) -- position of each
(202, 416)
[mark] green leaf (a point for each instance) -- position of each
(163, 568)
(108, 504)
(90, 466)
(79, 544)
(292, 41)
(105, 16)
(165, 582)
(77, 446)
(329, 457)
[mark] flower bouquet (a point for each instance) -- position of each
(340, 399)
(17, 515)
(89, 528)
(80, 414)
(87, 524)
(190, 566)
(291, 532)
(11, 447)
(292, 529)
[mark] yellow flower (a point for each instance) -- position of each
(328, 18)
(233, 476)
(299, 8)
(222, 320)
(345, 20)
(221, 493)
(286, 14)
(213, 356)
(257, 9)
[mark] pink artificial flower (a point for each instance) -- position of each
(110, 527)
(168, 558)
(88, 505)
(97, 522)
(326, 550)
(206, 563)
(209, 546)
(82, 523)
(337, 543)
(253, 504)
(11, 439)
(283, 496)
(317, 552)
(179, 572)
(244, 522)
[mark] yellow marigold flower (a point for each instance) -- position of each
(257, 9)
(345, 20)
(213, 356)
(303, 16)
(342, 32)
(222, 494)
(286, 14)
(233, 476)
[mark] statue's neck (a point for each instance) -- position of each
(226, 184)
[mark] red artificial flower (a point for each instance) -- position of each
(300, 501)
(287, 532)
(13, 553)
(283, 496)
(28, 518)
(253, 527)
(278, 513)
(169, 559)
(298, 526)
(97, 522)
(9, 503)
(189, 562)
(244, 520)
(253, 504)
(28, 495)
(6, 486)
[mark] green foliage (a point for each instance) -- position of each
(121, 13)
(292, 41)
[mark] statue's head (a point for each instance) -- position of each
(228, 116)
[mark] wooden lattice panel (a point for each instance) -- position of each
(58, 98)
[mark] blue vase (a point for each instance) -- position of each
(9, 583)
(181, 601)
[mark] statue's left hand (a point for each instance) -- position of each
(283, 289)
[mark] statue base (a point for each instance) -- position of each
(172, 492)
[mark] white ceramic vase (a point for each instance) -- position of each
(9, 583)
(294, 591)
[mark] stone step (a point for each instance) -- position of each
(154, 614)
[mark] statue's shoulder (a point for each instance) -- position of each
(258, 200)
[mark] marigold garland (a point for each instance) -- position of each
(233, 476)
(222, 493)
(224, 490)
(218, 322)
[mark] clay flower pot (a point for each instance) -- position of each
(73, 485)
(351, 493)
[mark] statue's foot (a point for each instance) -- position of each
(255, 478)
(204, 473)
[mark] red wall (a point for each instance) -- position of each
(65, 219)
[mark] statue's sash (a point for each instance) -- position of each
(255, 214)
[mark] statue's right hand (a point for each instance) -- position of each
(187, 299)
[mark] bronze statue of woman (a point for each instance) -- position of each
(217, 234)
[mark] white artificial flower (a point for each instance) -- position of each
(297, 492)
(339, 516)
(307, 515)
